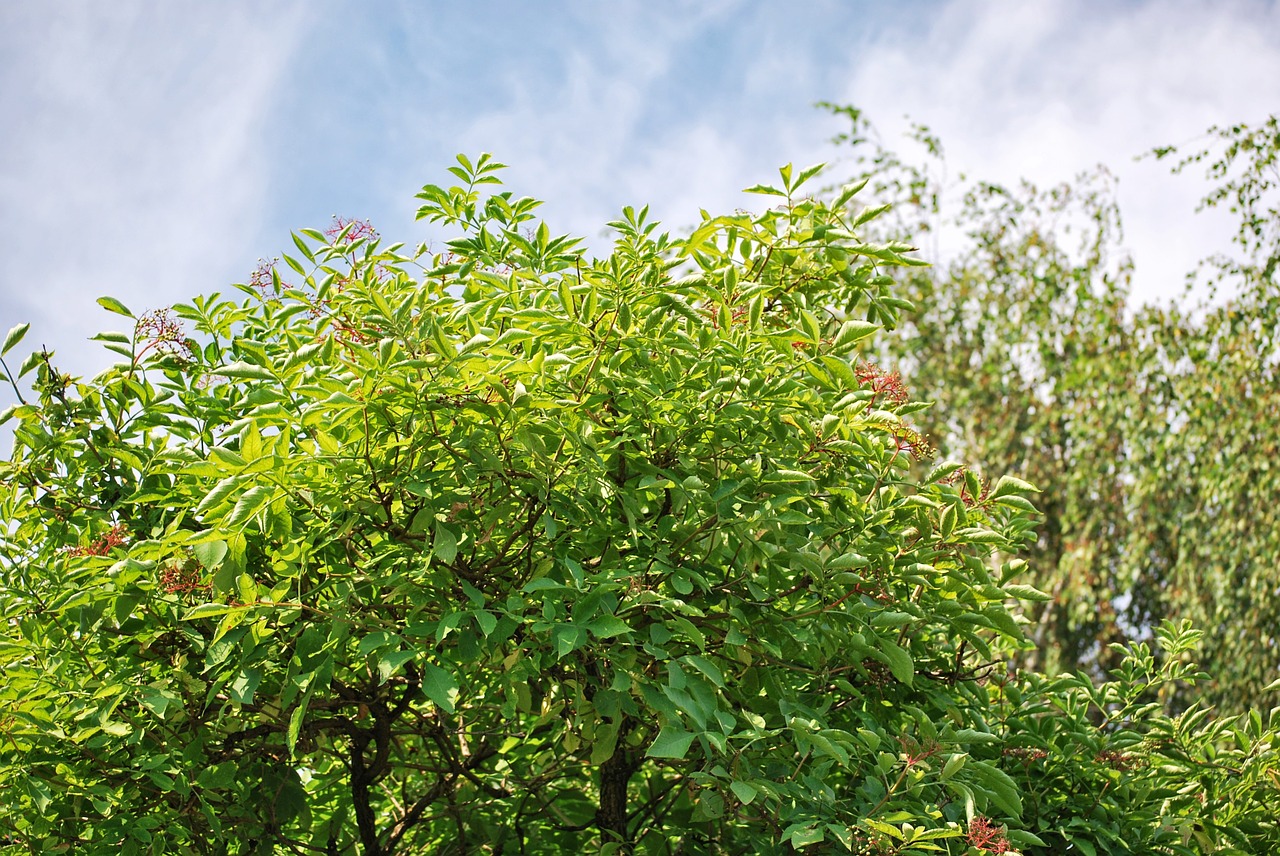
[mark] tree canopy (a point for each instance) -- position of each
(1150, 429)
(499, 548)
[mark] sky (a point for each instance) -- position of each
(156, 150)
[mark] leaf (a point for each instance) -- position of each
(852, 332)
(765, 189)
(808, 173)
(439, 686)
(210, 553)
(1009, 484)
(112, 305)
(999, 787)
(445, 546)
(247, 589)
(1025, 592)
(671, 742)
(244, 370)
(702, 664)
(390, 663)
(606, 626)
(251, 502)
(898, 661)
(1022, 839)
(744, 792)
(13, 337)
(209, 610)
(953, 765)
(33, 359)
(295, 724)
(1084, 846)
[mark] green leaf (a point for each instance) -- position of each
(1008, 484)
(112, 305)
(295, 724)
(808, 173)
(743, 791)
(953, 765)
(247, 371)
(250, 503)
(898, 661)
(13, 337)
(671, 742)
(439, 686)
(606, 626)
(1025, 592)
(210, 553)
(445, 545)
(852, 332)
(220, 491)
(1022, 839)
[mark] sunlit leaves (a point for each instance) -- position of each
(507, 545)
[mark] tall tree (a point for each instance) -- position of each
(1150, 429)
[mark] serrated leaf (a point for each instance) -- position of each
(852, 332)
(112, 305)
(250, 503)
(217, 494)
(210, 553)
(13, 337)
(898, 661)
(1009, 484)
(1025, 592)
(244, 370)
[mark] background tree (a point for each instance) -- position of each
(1150, 429)
(501, 549)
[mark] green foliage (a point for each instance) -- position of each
(504, 549)
(1150, 430)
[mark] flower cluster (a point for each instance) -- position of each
(1026, 754)
(163, 333)
(958, 479)
(887, 386)
(878, 674)
(181, 579)
(350, 230)
(265, 277)
(914, 753)
(1116, 760)
(912, 442)
(985, 835)
(102, 546)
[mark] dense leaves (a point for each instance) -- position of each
(1151, 430)
(503, 549)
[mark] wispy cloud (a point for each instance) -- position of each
(1047, 90)
(154, 151)
(133, 161)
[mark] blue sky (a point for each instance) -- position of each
(156, 150)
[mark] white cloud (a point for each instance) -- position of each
(136, 161)
(1047, 90)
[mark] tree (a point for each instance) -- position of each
(1148, 428)
(504, 549)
